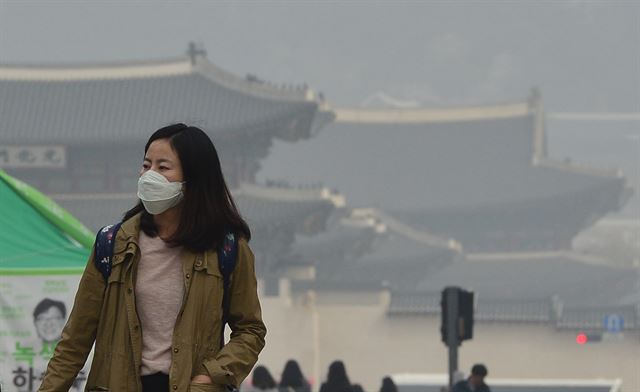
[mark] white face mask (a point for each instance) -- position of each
(157, 193)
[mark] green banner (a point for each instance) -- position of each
(52, 211)
(36, 235)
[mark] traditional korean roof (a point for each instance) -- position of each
(262, 207)
(367, 250)
(451, 170)
(116, 103)
(435, 159)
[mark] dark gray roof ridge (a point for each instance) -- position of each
(291, 194)
(379, 219)
(570, 167)
(96, 64)
(256, 88)
(95, 71)
(154, 69)
(537, 255)
(425, 115)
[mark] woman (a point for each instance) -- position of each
(157, 318)
(337, 379)
(388, 385)
(292, 378)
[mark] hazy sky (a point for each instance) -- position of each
(584, 55)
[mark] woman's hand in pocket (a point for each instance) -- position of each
(202, 379)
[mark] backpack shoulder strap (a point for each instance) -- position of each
(105, 241)
(227, 255)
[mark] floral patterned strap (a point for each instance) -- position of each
(227, 255)
(105, 241)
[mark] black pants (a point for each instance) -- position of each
(157, 382)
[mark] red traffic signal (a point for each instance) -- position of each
(584, 337)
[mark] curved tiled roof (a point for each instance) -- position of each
(154, 69)
(457, 172)
(431, 166)
(97, 104)
(268, 207)
(350, 258)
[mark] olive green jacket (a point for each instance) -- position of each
(105, 313)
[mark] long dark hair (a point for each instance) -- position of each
(262, 379)
(292, 375)
(337, 379)
(208, 210)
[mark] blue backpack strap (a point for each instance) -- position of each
(227, 255)
(105, 241)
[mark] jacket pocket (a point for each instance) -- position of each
(208, 283)
(208, 263)
(117, 268)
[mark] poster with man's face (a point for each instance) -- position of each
(49, 317)
(33, 312)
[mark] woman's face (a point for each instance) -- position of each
(161, 158)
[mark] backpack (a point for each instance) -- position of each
(227, 254)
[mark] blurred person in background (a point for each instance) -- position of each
(337, 379)
(157, 317)
(388, 385)
(292, 378)
(261, 381)
(475, 382)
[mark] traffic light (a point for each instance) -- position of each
(464, 316)
(590, 337)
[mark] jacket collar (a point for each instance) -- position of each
(128, 235)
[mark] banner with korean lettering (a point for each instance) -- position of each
(33, 157)
(33, 311)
